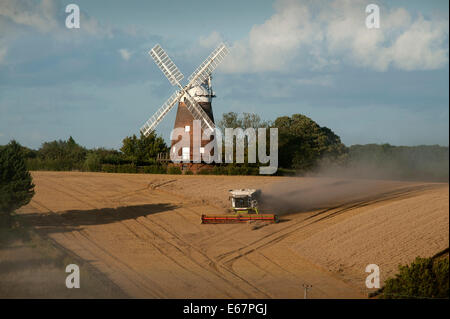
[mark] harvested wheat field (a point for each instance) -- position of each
(143, 232)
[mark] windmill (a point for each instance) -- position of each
(194, 99)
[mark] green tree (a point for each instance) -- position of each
(143, 149)
(16, 186)
(244, 121)
(62, 155)
(423, 278)
(230, 119)
(93, 162)
(302, 143)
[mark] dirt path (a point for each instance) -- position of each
(144, 233)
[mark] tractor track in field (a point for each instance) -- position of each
(93, 247)
(246, 249)
(226, 261)
(230, 257)
(85, 242)
(136, 234)
(143, 232)
(211, 263)
(132, 275)
(382, 198)
(184, 252)
(228, 264)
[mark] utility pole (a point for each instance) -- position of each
(306, 287)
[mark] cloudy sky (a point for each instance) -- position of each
(318, 58)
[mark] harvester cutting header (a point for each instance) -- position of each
(244, 206)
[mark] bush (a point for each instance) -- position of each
(242, 170)
(219, 170)
(61, 155)
(109, 168)
(234, 170)
(286, 172)
(173, 170)
(92, 163)
(123, 168)
(33, 164)
(204, 172)
(230, 170)
(154, 169)
(424, 278)
(126, 168)
(16, 187)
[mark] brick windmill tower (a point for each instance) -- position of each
(194, 102)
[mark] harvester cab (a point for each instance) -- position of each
(244, 200)
(244, 207)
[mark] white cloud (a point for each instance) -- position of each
(125, 54)
(45, 16)
(316, 35)
(280, 87)
(41, 16)
(321, 80)
(421, 46)
(210, 41)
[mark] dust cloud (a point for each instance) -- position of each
(306, 194)
(365, 178)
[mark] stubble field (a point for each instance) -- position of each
(143, 232)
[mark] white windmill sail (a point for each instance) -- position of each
(198, 113)
(161, 113)
(174, 76)
(205, 69)
(202, 73)
(166, 65)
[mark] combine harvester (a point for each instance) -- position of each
(244, 204)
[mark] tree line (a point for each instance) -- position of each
(68, 155)
(304, 147)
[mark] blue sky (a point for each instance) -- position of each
(98, 84)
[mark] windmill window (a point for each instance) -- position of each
(187, 128)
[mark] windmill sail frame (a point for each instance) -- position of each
(174, 76)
